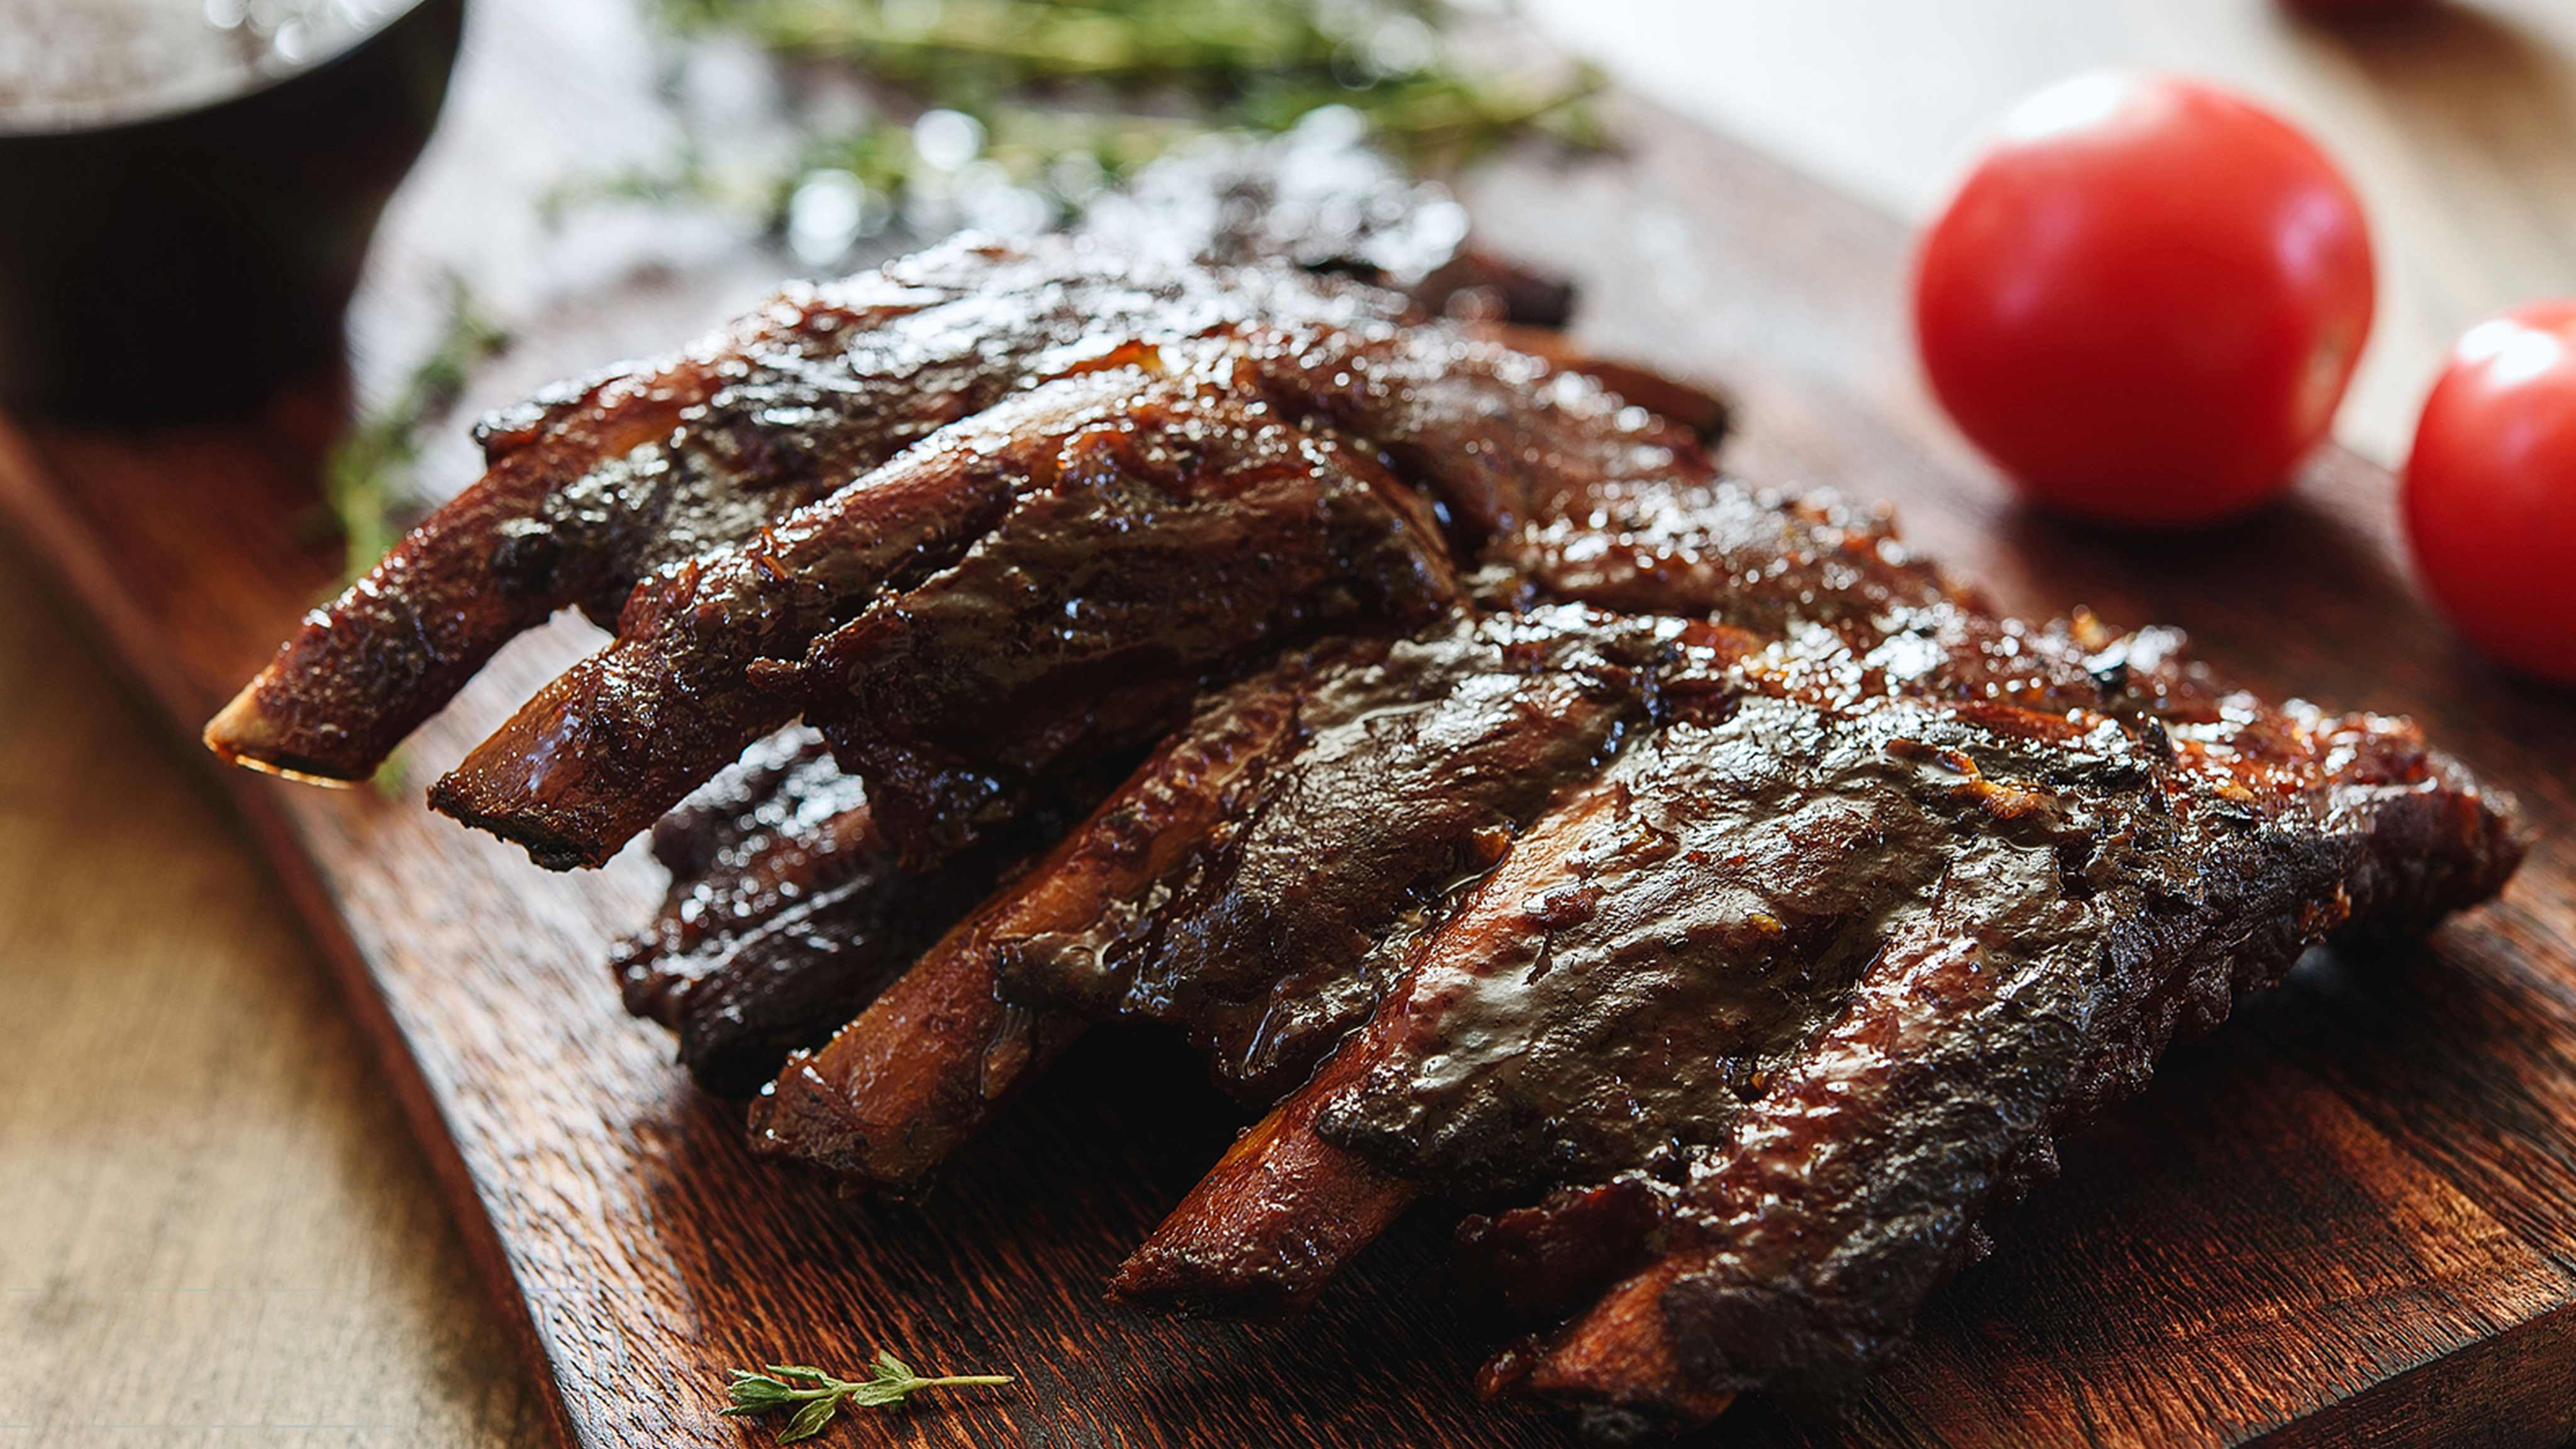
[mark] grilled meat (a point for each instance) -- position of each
(776, 868)
(788, 910)
(1182, 473)
(808, 875)
(594, 485)
(1994, 923)
(1279, 435)
(598, 485)
(1799, 984)
(1720, 898)
(1195, 896)
(1419, 762)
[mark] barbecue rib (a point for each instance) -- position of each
(1720, 899)
(1508, 451)
(1855, 956)
(819, 880)
(597, 484)
(1419, 764)
(787, 904)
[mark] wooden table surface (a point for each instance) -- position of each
(214, 1230)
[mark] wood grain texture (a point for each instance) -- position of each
(2350, 1217)
(214, 1229)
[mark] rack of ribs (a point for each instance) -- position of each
(1722, 903)
(601, 482)
(808, 876)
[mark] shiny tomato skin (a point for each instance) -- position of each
(2490, 489)
(2146, 300)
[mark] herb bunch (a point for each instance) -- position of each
(811, 1397)
(1066, 95)
(1254, 64)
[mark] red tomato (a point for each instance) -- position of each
(2490, 490)
(2145, 301)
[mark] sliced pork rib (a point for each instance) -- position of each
(1800, 984)
(1310, 451)
(1417, 763)
(1245, 885)
(2094, 898)
(932, 1058)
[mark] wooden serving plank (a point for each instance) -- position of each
(2349, 1218)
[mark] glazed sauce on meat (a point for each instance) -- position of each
(71, 63)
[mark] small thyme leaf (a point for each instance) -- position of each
(809, 1421)
(392, 779)
(815, 1396)
(876, 1393)
(753, 1394)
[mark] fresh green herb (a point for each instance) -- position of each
(368, 476)
(1057, 97)
(811, 1396)
(392, 779)
(1257, 64)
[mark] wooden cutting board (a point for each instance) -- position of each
(2349, 1218)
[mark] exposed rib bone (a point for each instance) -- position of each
(1268, 1227)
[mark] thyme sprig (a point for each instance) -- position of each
(1067, 95)
(811, 1397)
(1255, 64)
